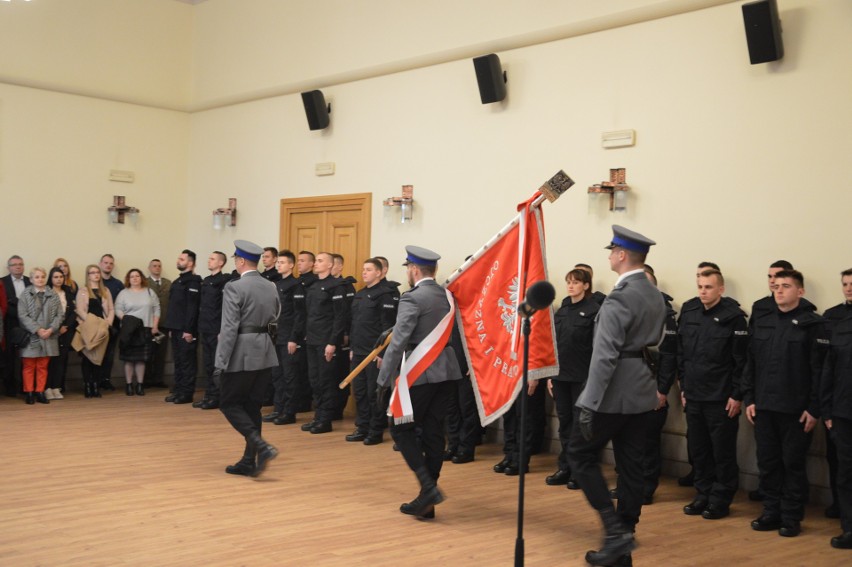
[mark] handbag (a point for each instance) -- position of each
(19, 337)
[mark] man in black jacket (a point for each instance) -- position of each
(373, 311)
(210, 323)
(288, 345)
(781, 395)
(182, 322)
(324, 317)
(712, 343)
(13, 284)
(268, 259)
(837, 405)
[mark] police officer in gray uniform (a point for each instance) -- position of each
(245, 355)
(420, 311)
(620, 395)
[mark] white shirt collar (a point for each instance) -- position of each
(630, 273)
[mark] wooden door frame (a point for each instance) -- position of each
(327, 203)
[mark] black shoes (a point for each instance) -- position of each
(106, 385)
(560, 477)
(514, 470)
(766, 524)
(716, 512)
(648, 499)
(242, 467)
(270, 417)
(140, 389)
(356, 436)
(500, 467)
(198, 404)
(696, 507)
(448, 455)
(284, 419)
(572, 484)
(374, 439)
(29, 398)
(309, 425)
(424, 505)
(461, 458)
(687, 480)
(209, 404)
(321, 428)
(625, 560)
(128, 389)
(41, 398)
(790, 528)
(265, 453)
(182, 400)
(171, 398)
(843, 541)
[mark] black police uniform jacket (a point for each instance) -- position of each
(325, 317)
(184, 299)
(575, 325)
(288, 289)
(373, 311)
(210, 307)
(712, 349)
(837, 375)
(784, 362)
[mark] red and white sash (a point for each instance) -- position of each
(423, 355)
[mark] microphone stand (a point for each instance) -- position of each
(522, 449)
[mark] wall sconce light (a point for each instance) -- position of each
(616, 188)
(119, 208)
(226, 217)
(405, 203)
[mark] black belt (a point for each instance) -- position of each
(253, 330)
(632, 354)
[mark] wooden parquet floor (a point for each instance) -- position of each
(134, 481)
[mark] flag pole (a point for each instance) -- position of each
(551, 190)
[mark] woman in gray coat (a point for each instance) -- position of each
(40, 313)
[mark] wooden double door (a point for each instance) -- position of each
(335, 224)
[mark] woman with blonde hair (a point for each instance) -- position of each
(93, 299)
(63, 265)
(41, 315)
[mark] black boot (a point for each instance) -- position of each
(265, 452)
(28, 398)
(41, 398)
(87, 390)
(96, 393)
(617, 542)
(128, 389)
(140, 389)
(106, 385)
(424, 505)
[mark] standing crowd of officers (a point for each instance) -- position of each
(785, 367)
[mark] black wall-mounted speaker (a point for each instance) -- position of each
(763, 31)
(316, 110)
(491, 78)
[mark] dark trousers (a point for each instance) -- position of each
(155, 368)
(463, 430)
(240, 399)
(209, 342)
(341, 396)
(304, 392)
(58, 365)
(109, 355)
(831, 459)
(842, 432)
(782, 447)
(652, 458)
(284, 381)
(712, 441)
(323, 377)
(628, 433)
(91, 371)
(421, 442)
(11, 368)
(186, 364)
(369, 418)
(512, 430)
(565, 395)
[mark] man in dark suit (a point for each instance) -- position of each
(418, 411)
(182, 323)
(14, 285)
(161, 286)
(620, 395)
(246, 354)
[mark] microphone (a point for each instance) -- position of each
(539, 296)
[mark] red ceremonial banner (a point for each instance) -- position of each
(487, 294)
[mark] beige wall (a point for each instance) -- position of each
(734, 163)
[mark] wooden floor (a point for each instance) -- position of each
(135, 481)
